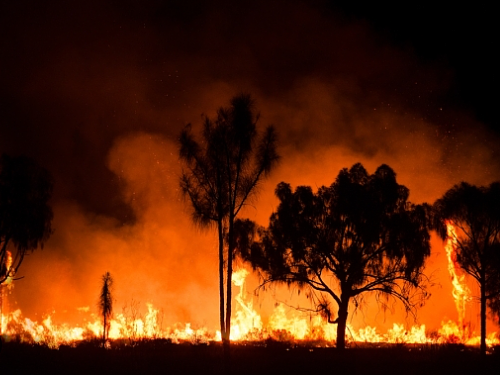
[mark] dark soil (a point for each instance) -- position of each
(162, 357)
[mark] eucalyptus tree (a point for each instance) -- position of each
(475, 214)
(220, 175)
(358, 235)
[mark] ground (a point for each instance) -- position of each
(161, 357)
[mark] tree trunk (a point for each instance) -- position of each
(230, 249)
(342, 322)
(221, 281)
(227, 342)
(483, 313)
(104, 331)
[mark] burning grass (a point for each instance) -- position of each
(295, 330)
(143, 336)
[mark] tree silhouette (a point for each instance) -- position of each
(106, 305)
(25, 215)
(5, 270)
(493, 283)
(356, 236)
(220, 176)
(475, 214)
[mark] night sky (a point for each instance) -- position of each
(98, 91)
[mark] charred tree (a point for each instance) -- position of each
(359, 235)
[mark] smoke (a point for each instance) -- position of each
(161, 259)
(98, 93)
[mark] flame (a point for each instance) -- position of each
(284, 324)
(8, 268)
(246, 321)
(461, 293)
(7, 284)
(18, 328)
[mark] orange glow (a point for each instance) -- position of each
(461, 293)
(8, 265)
(6, 285)
(283, 325)
(247, 321)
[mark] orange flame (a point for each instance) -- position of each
(247, 321)
(8, 268)
(6, 284)
(461, 293)
(283, 324)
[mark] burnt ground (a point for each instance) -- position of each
(162, 357)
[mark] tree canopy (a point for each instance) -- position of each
(25, 213)
(475, 214)
(361, 234)
(220, 176)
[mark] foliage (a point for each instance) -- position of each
(493, 282)
(220, 176)
(475, 214)
(361, 234)
(25, 214)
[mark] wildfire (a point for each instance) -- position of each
(461, 293)
(5, 269)
(283, 324)
(247, 320)
(8, 266)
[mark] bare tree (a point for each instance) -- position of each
(106, 305)
(359, 235)
(221, 175)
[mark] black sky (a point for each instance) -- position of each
(75, 76)
(462, 36)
